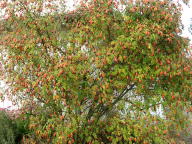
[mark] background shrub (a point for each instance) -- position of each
(12, 130)
(7, 133)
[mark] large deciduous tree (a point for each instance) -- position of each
(99, 73)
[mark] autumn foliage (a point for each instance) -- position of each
(99, 73)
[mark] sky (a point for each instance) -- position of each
(186, 20)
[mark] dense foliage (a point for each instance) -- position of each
(11, 130)
(7, 135)
(100, 73)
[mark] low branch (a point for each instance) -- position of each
(123, 93)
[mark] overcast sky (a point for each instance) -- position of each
(186, 19)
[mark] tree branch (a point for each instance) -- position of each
(123, 93)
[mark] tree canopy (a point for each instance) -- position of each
(99, 73)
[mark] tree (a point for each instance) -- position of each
(96, 74)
